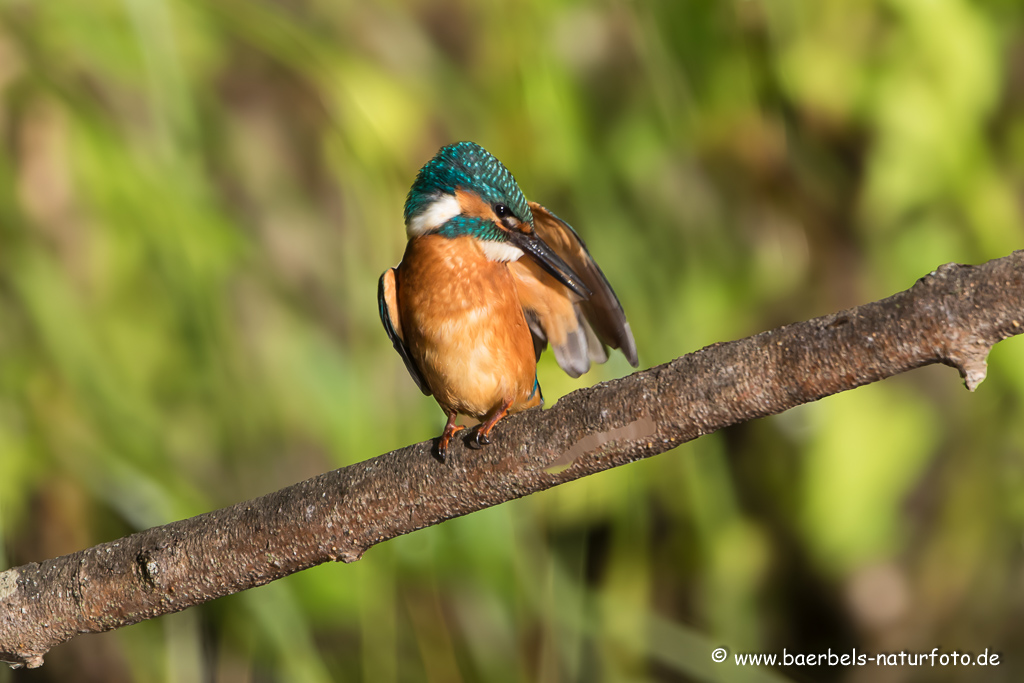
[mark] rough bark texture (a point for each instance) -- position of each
(951, 316)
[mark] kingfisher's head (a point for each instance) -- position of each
(464, 190)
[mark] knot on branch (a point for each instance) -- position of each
(149, 568)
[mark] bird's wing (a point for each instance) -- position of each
(578, 330)
(387, 301)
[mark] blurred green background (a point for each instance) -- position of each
(197, 199)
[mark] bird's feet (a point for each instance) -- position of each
(482, 436)
(446, 437)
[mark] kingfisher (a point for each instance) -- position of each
(487, 281)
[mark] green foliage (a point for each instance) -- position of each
(197, 199)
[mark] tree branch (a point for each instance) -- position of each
(953, 316)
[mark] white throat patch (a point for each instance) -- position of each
(500, 251)
(440, 211)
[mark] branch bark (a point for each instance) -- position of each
(952, 316)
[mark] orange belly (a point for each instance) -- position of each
(465, 328)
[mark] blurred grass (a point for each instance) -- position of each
(196, 200)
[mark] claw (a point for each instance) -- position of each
(450, 429)
(479, 439)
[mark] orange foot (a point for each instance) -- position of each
(449, 431)
(483, 431)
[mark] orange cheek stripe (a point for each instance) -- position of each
(473, 205)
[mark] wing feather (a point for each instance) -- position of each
(578, 330)
(387, 301)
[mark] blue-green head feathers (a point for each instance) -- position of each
(468, 166)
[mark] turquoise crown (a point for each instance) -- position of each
(469, 166)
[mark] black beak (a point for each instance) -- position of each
(540, 252)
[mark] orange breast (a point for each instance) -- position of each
(464, 326)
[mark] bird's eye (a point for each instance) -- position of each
(502, 211)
